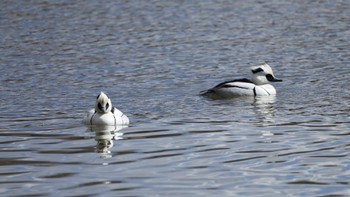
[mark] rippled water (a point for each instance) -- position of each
(153, 58)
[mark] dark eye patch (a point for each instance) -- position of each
(107, 105)
(257, 70)
(99, 106)
(269, 77)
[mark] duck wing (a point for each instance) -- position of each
(120, 118)
(229, 84)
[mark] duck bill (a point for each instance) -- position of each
(277, 80)
(104, 109)
(272, 78)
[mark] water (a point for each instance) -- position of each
(153, 58)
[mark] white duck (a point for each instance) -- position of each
(105, 114)
(257, 86)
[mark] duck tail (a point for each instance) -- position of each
(206, 93)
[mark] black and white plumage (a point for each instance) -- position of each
(105, 114)
(258, 85)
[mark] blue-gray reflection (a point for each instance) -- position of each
(105, 137)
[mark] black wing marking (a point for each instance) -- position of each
(226, 85)
(115, 120)
(92, 117)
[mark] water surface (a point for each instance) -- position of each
(153, 58)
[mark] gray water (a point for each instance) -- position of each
(153, 58)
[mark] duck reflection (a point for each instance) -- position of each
(105, 137)
(264, 108)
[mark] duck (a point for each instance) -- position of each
(258, 85)
(104, 114)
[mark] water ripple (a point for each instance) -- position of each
(153, 58)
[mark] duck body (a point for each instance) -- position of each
(114, 117)
(239, 87)
(104, 114)
(257, 86)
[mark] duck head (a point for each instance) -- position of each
(103, 103)
(263, 74)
